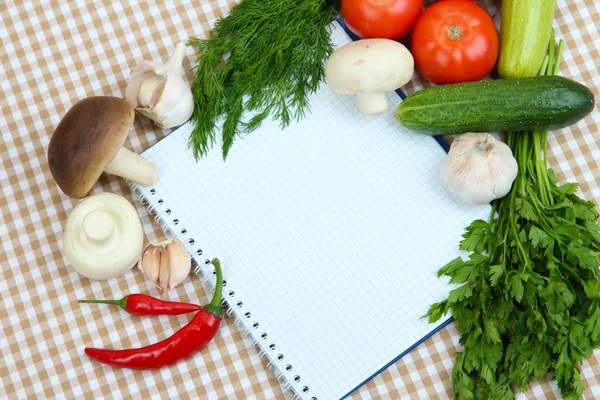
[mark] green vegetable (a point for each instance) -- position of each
(275, 52)
(529, 300)
(544, 102)
(524, 32)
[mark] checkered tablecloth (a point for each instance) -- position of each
(53, 53)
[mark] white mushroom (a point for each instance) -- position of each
(103, 236)
(370, 68)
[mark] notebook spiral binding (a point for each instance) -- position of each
(165, 217)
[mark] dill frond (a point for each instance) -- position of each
(264, 59)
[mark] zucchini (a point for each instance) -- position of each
(523, 104)
(525, 29)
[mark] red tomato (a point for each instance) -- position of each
(388, 19)
(455, 41)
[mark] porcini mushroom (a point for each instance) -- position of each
(370, 68)
(103, 236)
(89, 140)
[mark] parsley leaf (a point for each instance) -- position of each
(496, 272)
(527, 211)
(491, 332)
(592, 325)
(437, 311)
(592, 289)
(567, 188)
(593, 229)
(515, 286)
(475, 237)
(461, 293)
(538, 237)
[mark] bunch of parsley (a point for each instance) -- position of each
(263, 59)
(529, 303)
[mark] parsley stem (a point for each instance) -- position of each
(544, 66)
(550, 54)
(513, 228)
(561, 46)
(545, 197)
(490, 242)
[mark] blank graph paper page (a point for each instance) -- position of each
(330, 233)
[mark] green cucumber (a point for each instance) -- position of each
(522, 104)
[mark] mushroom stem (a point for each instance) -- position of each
(98, 225)
(372, 103)
(132, 166)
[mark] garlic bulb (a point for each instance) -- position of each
(159, 91)
(479, 168)
(166, 263)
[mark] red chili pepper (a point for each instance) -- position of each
(142, 304)
(190, 339)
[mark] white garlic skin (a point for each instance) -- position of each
(159, 92)
(479, 168)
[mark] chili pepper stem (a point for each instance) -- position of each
(121, 303)
(214, 307)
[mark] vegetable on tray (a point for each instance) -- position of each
(144, 305)
(370, 68)
(528, 303)
(182, 344)
(524, 32)
(89, 140)
(265, 58)
(455, 41)
(520, 104)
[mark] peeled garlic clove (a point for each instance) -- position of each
(479, 168)
(159, 92)
(166, 263)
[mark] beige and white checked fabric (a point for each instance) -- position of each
(53, 53)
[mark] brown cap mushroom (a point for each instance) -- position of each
(88, 141)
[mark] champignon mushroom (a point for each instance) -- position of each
(89, 140)
(369, 68)
(103, 236)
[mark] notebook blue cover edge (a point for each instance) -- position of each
(446, 148)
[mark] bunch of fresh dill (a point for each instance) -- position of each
(263, 59)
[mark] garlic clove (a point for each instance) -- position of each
(479, 168)
(166, 263)
(149, 262)
(168, 116)
(180, 262)
(150, 85)
(159, 91)
(164, 270)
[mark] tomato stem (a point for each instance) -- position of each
(455, 33)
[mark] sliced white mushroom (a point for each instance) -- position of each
(103, 236)
(370, 68)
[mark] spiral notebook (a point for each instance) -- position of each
(330, 233)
